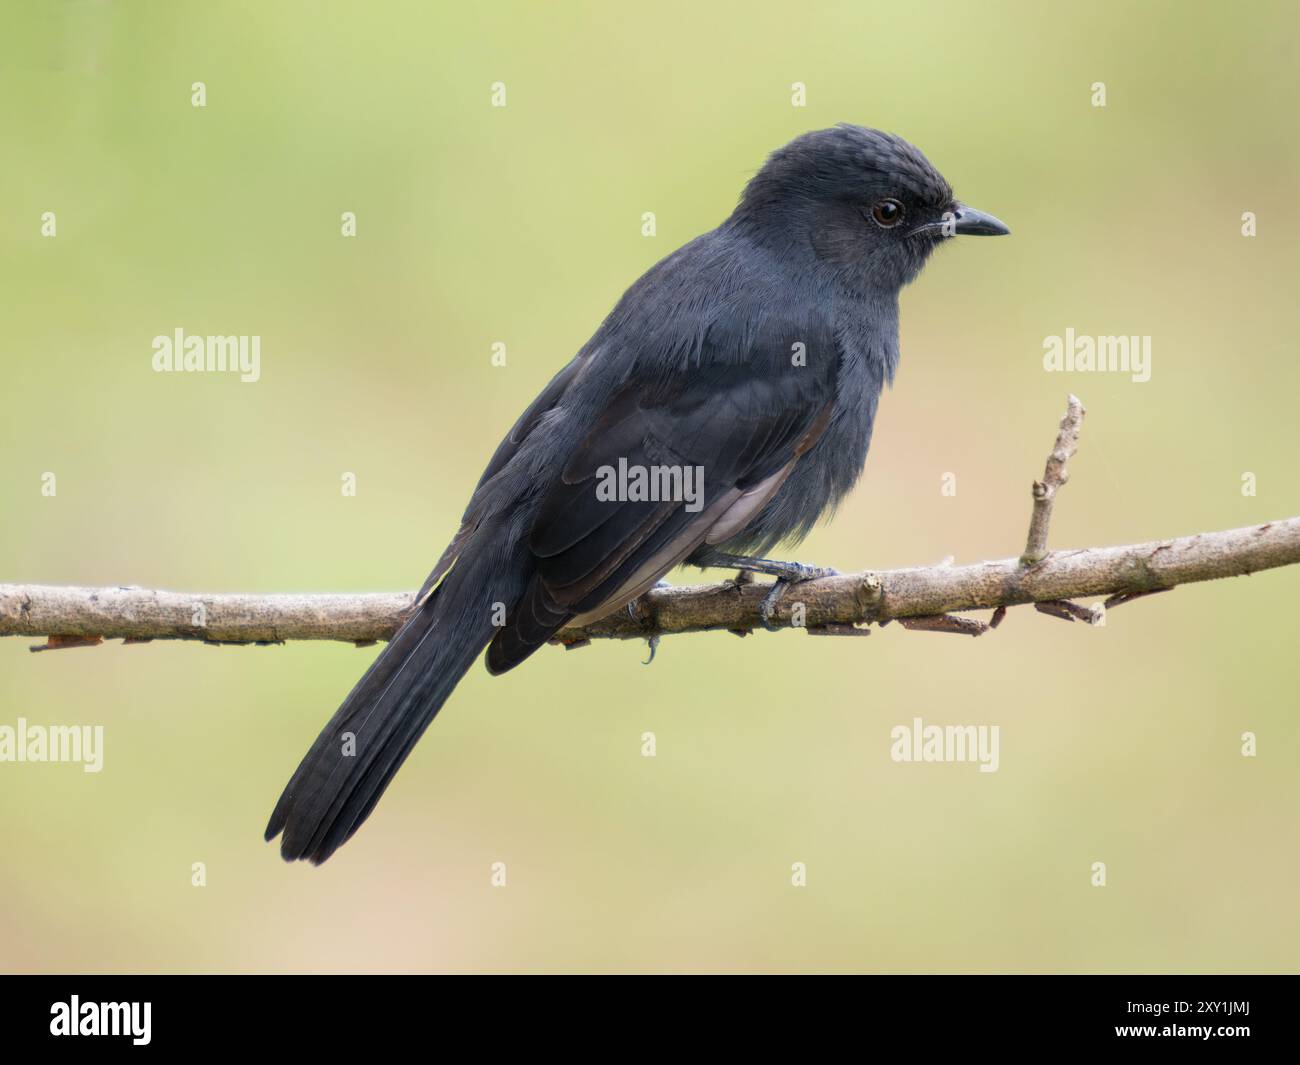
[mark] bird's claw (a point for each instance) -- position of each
(797, 573)
(768, 606)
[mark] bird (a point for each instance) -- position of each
(750, 361)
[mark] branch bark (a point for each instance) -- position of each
(920, 598)
(852, 599)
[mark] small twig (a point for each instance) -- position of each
(1055, 474)
(946, 623)
(1120, 598)
(835, 628)
(59, 643)
(1068, 611)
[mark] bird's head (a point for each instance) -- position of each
(867, 203)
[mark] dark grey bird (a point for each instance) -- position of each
(754, 355)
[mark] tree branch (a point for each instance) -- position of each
(1054, 476)
(920, 598)
(140, 614)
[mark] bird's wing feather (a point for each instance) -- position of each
(740, 423)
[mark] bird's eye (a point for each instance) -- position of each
(887, 213)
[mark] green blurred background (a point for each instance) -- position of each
(522, 225)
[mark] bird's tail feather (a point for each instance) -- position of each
(356, 755)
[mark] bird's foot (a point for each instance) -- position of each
(786, 574)
(767, 608)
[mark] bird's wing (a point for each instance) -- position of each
(546, 401)
(737, 426)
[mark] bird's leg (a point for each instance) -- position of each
(786, 573)
(791, 572)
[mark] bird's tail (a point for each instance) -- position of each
(356, 755)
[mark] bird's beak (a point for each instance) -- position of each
(975, 223)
